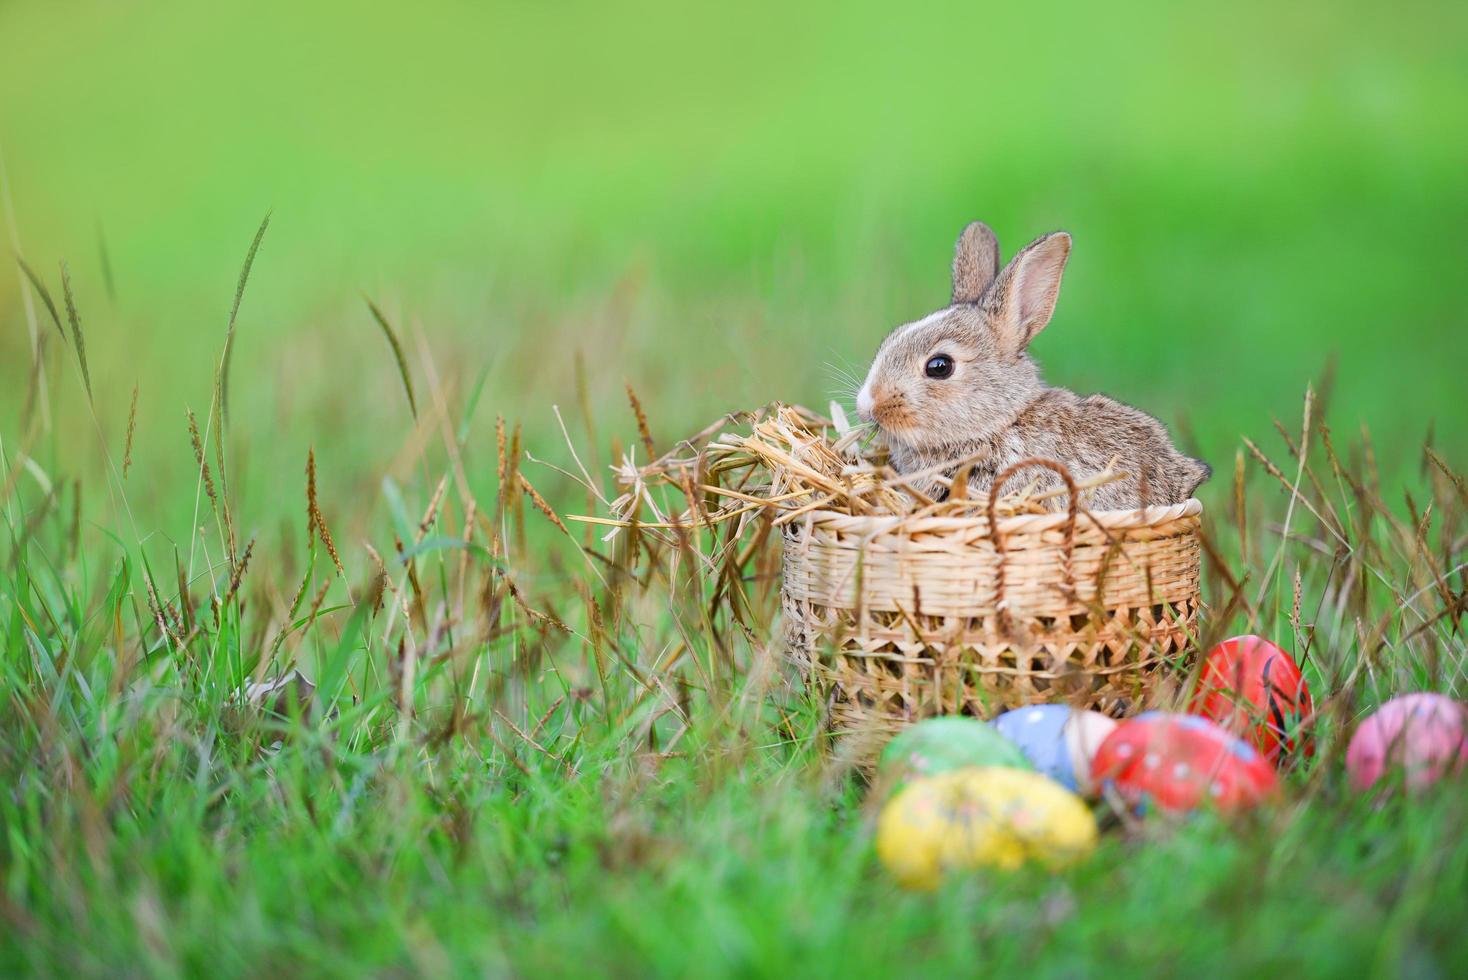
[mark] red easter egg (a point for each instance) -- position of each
(1254, 689)
(1178, 763)
(1424, 736)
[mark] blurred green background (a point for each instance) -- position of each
(725, 206)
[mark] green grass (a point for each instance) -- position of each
(586, 771)
(519, 760)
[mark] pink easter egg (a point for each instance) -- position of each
(1423, 735)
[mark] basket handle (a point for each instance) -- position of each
(1072, 512)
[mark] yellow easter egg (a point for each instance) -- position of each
(980, 818)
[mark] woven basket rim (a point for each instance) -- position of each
(1015, 524)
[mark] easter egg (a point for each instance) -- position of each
(972, 818)
(1058, 740)
(1178, 763)
(1254, 689)
(1422, 737)
(937, 745)
(1083, 736)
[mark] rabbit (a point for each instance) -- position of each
(960, 384)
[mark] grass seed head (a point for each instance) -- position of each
(202, 460)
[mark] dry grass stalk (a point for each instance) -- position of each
(74, 318)
(546, 619)
(541, 504)
(132, 426)
(202, 460)
(316, 522)
(642, 427)
(413, 584)
(431, 514)
(240, 568)
(156, 606)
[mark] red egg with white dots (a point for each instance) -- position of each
(1177, 763)
(1255, 690)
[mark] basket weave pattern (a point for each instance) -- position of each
(901, 618)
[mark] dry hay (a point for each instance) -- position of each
(792, 461)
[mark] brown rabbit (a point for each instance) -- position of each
(960, 383)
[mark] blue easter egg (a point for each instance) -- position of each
(1039, 731)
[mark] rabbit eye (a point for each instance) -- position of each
(939, 366)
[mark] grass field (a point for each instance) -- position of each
(518, 759)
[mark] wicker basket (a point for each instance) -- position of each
(897, 618)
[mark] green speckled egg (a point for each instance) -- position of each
(939, 745)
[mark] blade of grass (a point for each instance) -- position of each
(234, 310)
(44, 293)
(397, 353)
(105, 258)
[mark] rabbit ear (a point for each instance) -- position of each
(975, 262)
(1026, 292)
